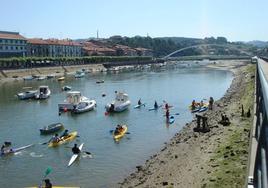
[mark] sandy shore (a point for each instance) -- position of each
(214, 159)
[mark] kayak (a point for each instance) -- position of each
(12, 151)
(139, 105)
(75, 156)
(61, 78)
(121, 134)
(150, 109)
(63, 140)
(171, 119)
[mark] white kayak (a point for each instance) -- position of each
(75, 156)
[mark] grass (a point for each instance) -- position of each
(231, 156)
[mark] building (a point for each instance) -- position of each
(144, 52)
(123, 50)
(12, 44)
(93, 49)
(37, 48)
(53, 48)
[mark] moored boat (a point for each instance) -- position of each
(51, 128)
(85, 106)
(79, 74)
(73, 98)
(120, 103)
(27, 94)
(99, 81)
(61, 78)
(66, 88)
(43, 92)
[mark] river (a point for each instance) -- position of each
(112, 161)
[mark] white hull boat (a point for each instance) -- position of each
(85, 106)
(72, 100)
(27, 94)
(43, 93)
(120, 103)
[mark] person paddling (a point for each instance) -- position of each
(65, 133)
(139, 102)
(155, 105)
(55, 138)
(48, 184)
(75, 149)
(167, 114)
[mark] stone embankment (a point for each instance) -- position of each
(18, 74)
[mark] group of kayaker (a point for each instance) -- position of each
(118, 129)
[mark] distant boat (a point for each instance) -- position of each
(120, 103)
(99, 81)
(66, 88)
(61, 78)
(41, 78)
(27, 94)
(43, 92)
(79, 74)
(28, 78)
(51, 128)
(50, 76)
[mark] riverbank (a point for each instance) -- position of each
(214, 159)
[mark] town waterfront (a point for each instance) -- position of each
(20, 122)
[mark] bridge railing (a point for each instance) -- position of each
(257, 175)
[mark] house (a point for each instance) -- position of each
(12, 44)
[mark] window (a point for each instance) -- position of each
(21, 48)
(1, 40)
(17, 47)
(11, 47)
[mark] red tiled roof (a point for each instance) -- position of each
(99, 49)
(10, 35)
(63, 42)
(37, 41)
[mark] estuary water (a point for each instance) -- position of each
(112, 161)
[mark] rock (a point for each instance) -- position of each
(232, 154)
(139, 168)
(176, 156)
(227, 171)
(228, 147)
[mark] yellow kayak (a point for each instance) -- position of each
(120, 134)
(63, 140)
(197, 105)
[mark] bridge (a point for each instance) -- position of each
(257, 167)
(228, 46)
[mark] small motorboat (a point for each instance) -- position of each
(41, 78)
(61, 78)
(50, 76)
(99, 81)
(27, 94)
(79, 74)
(51, 128)
(28, 78)
(73, 98)
(66, 88)
(43, 92)
(120, 103)
(85, 106)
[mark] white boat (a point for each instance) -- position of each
(28, 78)
(43, 92)
(27, 94)
(41, 78)
(73, 98)
(75, 156)
(120, 103)
(79, 74)
(85, 106)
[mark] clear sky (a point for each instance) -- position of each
(237, 20)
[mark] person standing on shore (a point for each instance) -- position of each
(211, 101)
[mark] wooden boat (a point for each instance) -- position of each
(61, 78)
(51, 128)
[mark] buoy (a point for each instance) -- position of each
(65, 109)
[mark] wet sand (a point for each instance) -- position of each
(188, 159)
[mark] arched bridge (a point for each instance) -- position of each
(206, 45)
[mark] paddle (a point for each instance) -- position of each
(48, 170)
(87, 152)
(172, 114)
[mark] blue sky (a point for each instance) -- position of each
(238, 20)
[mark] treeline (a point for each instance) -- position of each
(165, 45)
